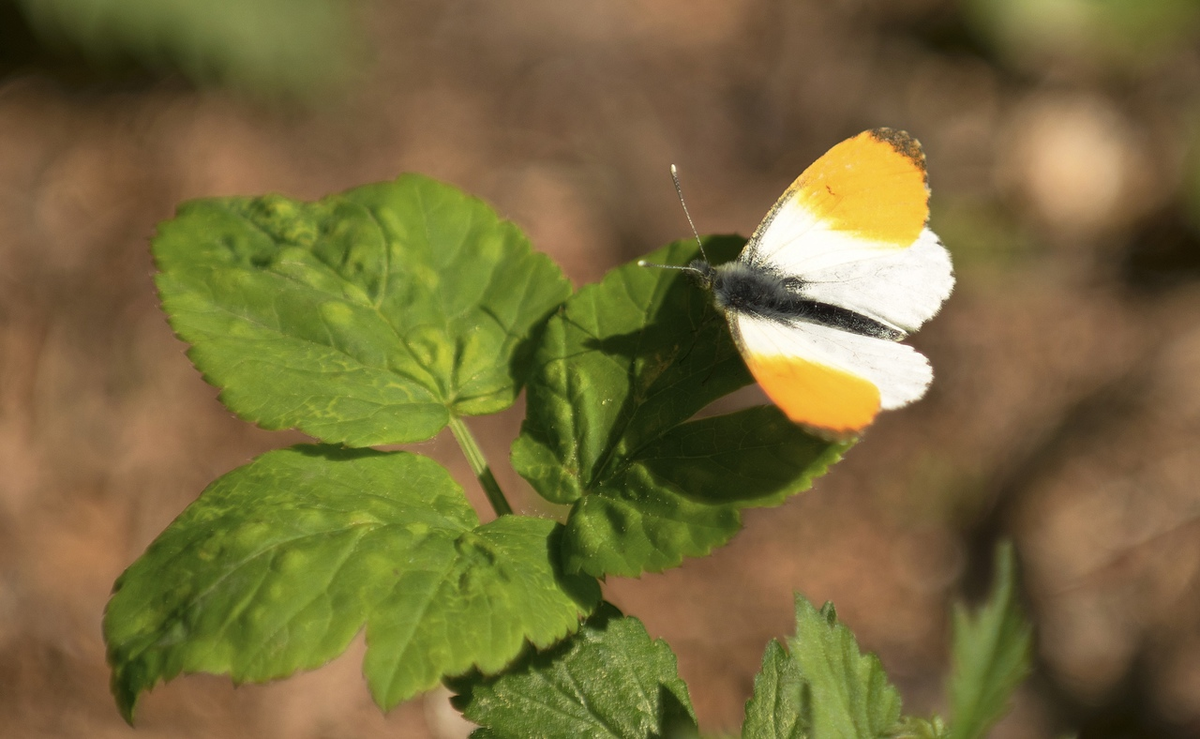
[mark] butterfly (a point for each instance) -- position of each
(841, 269)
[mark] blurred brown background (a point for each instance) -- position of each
(1061, 140)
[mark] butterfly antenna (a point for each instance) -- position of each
(685, 268)
(679, 192)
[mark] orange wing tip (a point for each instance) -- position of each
(835, 404)
(872, 187)
(902, 143)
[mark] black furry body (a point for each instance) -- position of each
(736, 286)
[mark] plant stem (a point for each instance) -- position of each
(479, 466)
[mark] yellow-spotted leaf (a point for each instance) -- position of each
(281, 562)
(365, 318)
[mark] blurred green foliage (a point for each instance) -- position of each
(1113, 34)
(983, 234)
(292, 47)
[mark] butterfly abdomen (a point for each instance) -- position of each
(759, 292)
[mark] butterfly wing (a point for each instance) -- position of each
(900, 287)
(828, 379)
(852, 228)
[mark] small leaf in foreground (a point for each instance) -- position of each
(281, 562)
(781, 706)
(920, 728)
(365, 318)
(608, 680)
(991, 654)
(621, 371)
(846, 694)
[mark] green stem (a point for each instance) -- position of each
(479, 466)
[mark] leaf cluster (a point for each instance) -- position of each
(612, 680)
(382, 315)
(378, 317)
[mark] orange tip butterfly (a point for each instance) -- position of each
(842, 268)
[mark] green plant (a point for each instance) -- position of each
(381, 316)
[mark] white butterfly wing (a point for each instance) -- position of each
(852, 229)
(828, 378)
(899, 287)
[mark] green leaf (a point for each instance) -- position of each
(365, 318)
(626, 360)
(281, 562)
(920, 728)
(620, 372)
(781, 707)
(991, 654)
(751, 457)
(851, 696)
(608, 680)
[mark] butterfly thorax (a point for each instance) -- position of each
(760, 292)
